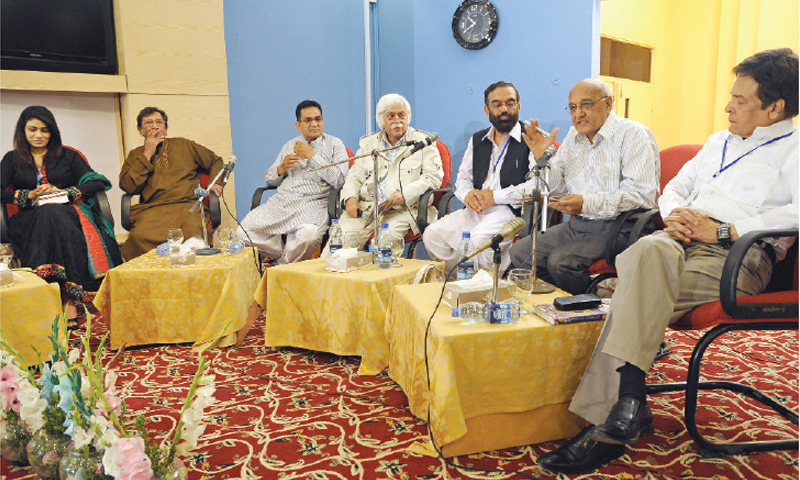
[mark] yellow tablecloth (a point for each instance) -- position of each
(341, 313)
(27, 310)
(485, 369)
(144, 301)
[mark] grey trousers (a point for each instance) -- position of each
(659, 281)
(566, 250)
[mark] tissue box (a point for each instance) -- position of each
(6, 277)
(361, 260)
(181, 259)
(455, 295)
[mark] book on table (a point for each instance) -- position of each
(548, 313)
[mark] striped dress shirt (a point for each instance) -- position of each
(619, 171)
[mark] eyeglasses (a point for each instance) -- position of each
(151, 123)
(496, 105)
(391, 115)
(309, 120)
(585, 105)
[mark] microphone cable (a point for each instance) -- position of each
(430, 396)
(257, 259)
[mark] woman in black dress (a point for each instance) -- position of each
(69, 243)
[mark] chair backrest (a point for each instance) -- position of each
(673, 158)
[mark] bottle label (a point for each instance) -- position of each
(465, 271)
(335, 246)
(384, 256)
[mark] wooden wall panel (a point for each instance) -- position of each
(173, 47)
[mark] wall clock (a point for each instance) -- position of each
(475, 24)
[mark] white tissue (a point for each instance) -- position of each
(345, 253)
(482, 279)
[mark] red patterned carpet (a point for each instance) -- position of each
(294, 414)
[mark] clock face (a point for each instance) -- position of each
(475, 24)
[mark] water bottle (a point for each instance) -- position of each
(466, 269)
(384, 246)
(335, 236)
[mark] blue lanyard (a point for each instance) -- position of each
(725, 149)
(502, 153)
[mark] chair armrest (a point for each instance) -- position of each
(425, 199)
(105, 207)
(730, 275)
(612, 245)
(258, 194)
(125, 218)
(215, 210)
(444, 203)
(334, 204)
(4, 238)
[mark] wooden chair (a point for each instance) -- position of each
(212, 201)
(775, 309)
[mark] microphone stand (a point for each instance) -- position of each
(538, 200)
(201, 193)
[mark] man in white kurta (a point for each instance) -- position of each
(401, 180)
(745, 178)
(290, 226)
(490, 182)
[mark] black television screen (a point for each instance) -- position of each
(58, 36)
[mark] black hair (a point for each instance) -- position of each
(146, 112)
(306, 104)
(775, 71)
(491, 88)
(23, 154)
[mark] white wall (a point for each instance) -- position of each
(88, 122)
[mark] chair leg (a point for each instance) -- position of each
(693, 385)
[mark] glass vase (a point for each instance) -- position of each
(14, 438)
(80, 464)
(176, 471)
(45, 451)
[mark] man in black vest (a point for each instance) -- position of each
(490, 181)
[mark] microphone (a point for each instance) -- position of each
(424, 143)
(509, 230)
(546, 156)
(228, 170)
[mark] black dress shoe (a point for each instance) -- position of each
(629, 419)
(580, 455)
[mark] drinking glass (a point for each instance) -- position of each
(174, 238)
(398, 246)
(5, 253)
(225, 237)
(521, 285)
(351, 240)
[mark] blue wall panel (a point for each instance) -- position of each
(282, 52)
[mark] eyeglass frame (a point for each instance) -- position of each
(310, 120)
(497, 104)
(584, 106)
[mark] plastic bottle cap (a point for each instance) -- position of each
(465, 235)
(384, 225)
(335, 221)
(455, 312)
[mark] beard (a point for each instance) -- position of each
(504, 122)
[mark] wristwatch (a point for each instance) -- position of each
(724, 235)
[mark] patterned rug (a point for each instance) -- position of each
(295, 414)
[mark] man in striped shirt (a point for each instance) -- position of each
(289, 227)
(605, 165)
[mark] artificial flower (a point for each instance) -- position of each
(32, 410)
(9, 388)
(126, 460)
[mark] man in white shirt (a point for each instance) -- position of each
(745, 178)
(605, 166)
(401, 180)
(489, 183)
(289, 227)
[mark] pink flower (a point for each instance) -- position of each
(131, 461)
(9, 385)
(114, 401)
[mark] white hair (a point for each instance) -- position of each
(388, 101)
